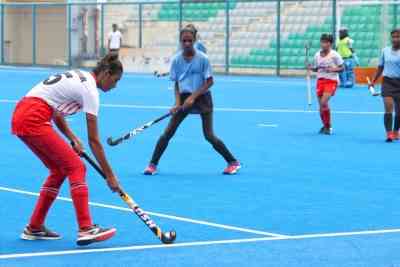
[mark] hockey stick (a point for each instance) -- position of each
(166, 237)
(308, 77)
(135, 131)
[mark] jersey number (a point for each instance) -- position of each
(56, 78)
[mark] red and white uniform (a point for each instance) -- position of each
(67, 94)
(327, 81)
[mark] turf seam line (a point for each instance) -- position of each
(155, 214)
(257, 110)
(198, 243)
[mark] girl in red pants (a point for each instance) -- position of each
(51, 100)
(327, 63)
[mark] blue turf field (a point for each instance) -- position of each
(301, 199)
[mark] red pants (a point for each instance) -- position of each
(31, 123)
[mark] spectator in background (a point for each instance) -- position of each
(346, 51)
(114, 40)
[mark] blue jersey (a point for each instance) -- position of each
(390, 61)
(190, 75)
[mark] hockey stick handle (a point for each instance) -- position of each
(166, 238)
(308, 74)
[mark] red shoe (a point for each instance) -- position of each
(232, 168)
(396, 135)
(390, 136)
(94, 234)
(150, 170)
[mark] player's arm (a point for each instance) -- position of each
(98, 151)
(178, 103)
(378, 74)
(174, 78)
(62, 125)
(203, 89)
(339, 68)
(350, 45)
(177, 95)
(379, 70)
(314, 65)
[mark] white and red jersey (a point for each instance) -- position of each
(69, 92)
(322, 63)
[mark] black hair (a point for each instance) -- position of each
(397, 30)
(343, 33)
(109, 63)
(326, 37)
(191, 26)
(190, 29)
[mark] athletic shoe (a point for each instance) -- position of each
(390, 136)
(40, 234)
(396, 135)
(94, 234)
(232, 168)
(150, 170)
(326, 131)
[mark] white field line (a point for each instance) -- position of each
(267, 125)
(156, 214)
(198, 243)
(227, 109)
(18, 69)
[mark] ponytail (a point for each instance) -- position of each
(109, 63)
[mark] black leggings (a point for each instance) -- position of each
(207, 120)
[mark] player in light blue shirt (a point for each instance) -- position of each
(198, 45)
(192, 76)
(389, 66)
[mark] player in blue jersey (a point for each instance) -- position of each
(192, 75)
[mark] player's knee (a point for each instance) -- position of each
(388, 108)
(167, 136)
(77, 172)
(211, 138)
(324, 105)
(56, 174)
(55, 179)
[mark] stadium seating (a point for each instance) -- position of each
(201, 11)
(253, 27)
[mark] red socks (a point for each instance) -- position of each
(46, 198)
(80, 197)
(325, 114)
